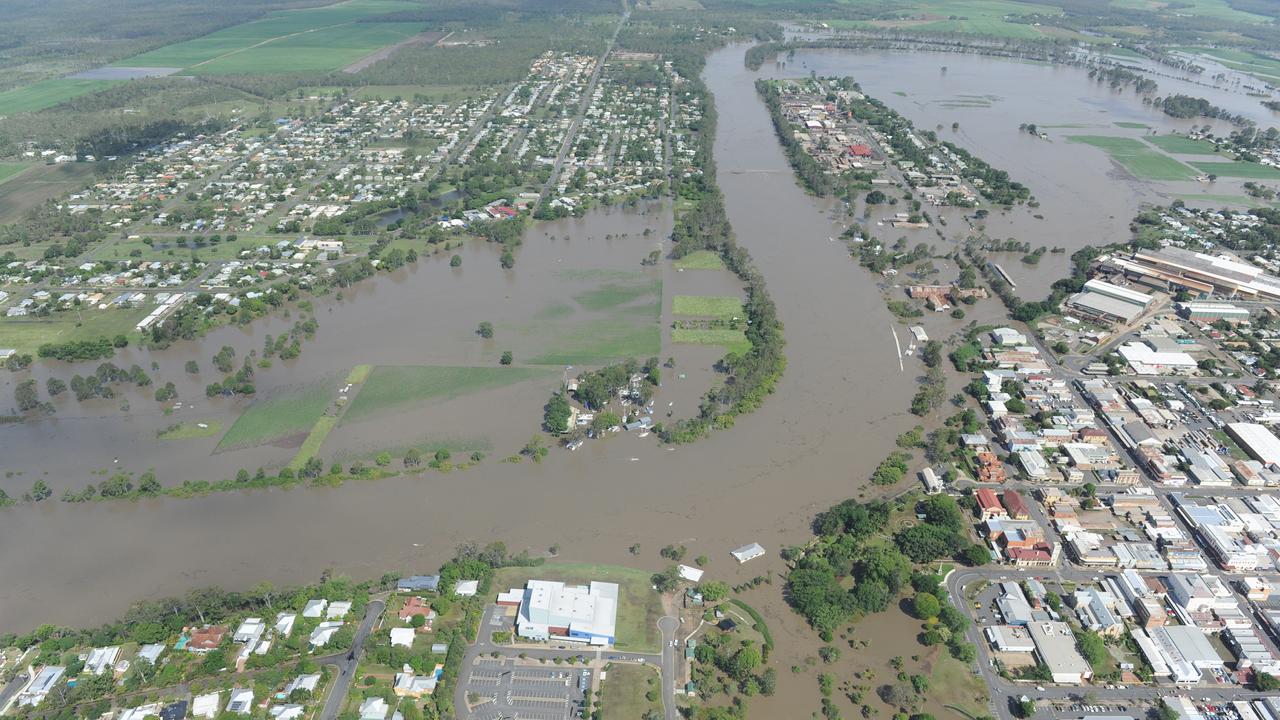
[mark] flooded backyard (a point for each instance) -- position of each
(578, 296)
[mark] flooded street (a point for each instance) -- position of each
(839, 406)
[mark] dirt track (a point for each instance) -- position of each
(426, 38)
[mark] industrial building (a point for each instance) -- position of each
(1211, 311)
(574, 612)
(1200, 273)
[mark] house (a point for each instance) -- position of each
(409, 685)
(241, 702)
(42, 683)
(466, 588)
(292, 711)
(284, 623)
(206, 639)
(402, 637)
(416, 606)
(338, 610)
(150, 653)
(140, 712)
(249, 631)
(303, 682)
(314, 608)
(206, 706)
(374, 708)
(691, 574)
(747, 552)
(324, 632)
(419, 583)
(101, 660)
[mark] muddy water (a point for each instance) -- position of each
(1084, 198)
(839, 406)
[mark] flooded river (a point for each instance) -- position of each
(835, 413)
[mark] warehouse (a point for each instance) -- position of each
(1096, 306)
(1210, 311)
(1261, 444)
(1128, 295)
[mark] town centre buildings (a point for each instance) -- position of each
(575, 612)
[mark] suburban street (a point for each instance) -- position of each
(669, 625)
(346, 662)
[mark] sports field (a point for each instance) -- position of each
(1137, 158)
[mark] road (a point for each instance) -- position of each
(669, 625)
(346, 662)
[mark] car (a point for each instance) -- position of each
(1040, 688)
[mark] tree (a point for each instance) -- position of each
(455, 261)
(974, 555)
(485, 330)
(744, 663)
(506, 358)
(55, 387)
(667, 580)
(40, 491)
(1025, 708)
(925, 606)
(556, 414)
(714, 590)
(1265, 682)
(148, 485)
(412, 457)
(26, 396)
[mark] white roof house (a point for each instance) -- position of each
(292, 711)
(41, 684)
(251, 629)
(284, 623)
(314, 608)
(338, 609)
(692, 574)
(205, 706)
(747, 552)
(323, 632)
(302, 682)
(466, 588)
(374, 708)
(150, 653)
(100, 660)
(402, 637)
(241, 701)
(140, 712)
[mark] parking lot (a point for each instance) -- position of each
(507, 689)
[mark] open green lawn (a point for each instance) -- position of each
(391, 387)
(952, 684)
(732, 340)
(624, 692)
(10, 170)
(700, 260)
(292, 410)
(47, 93)
(27, 334)
(1137, 158)
(1179, 145)
(707, 306)
(1239, 170)
(639, 606)
(1132, 125)
(320, 38)
(191, 431)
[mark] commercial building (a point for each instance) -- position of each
(1146, 360)
(1096, 306)
(1056, 648)
(1129, 295)
(1211, 311)
(575, 612)
(1009, 638)
(1261, 444)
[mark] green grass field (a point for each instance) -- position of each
(319, 432)
(1137, 158)
(1180, 145)
(47, 93)
(603, 341)
(1260, 66)
(700, 260)
(391, 387)
(191, 431)
(707, 306)
(8, 171)
(976, 17)
(732, 340)
(614, 315)
(1216, 9)
(624, 692)
(359, 374)
(321, 38)
(639, 607)
(615, 294)
(1251, 171)
(1132, 125)
(291, 411)
(27, 334)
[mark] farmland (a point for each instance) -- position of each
(291, 411)
(732, 340)
(1239, 170)
(393, 387)
(46, 94)
(719, 307)
(1179, 145)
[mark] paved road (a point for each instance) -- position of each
(12, 688)
(669, 625)
(346, 662)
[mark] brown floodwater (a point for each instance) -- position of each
(838, 407)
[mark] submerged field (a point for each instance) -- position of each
(1142, 161)
(290, 411)
(1239, 170)
(390, 388)
(1181, 145)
